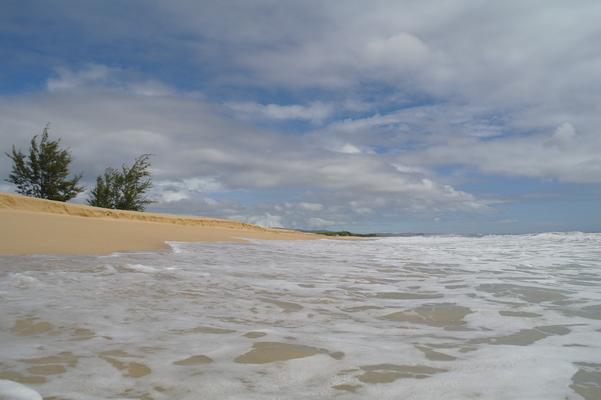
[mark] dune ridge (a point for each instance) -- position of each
(24, 203)
(37, 226)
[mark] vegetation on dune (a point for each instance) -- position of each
(344, 233)
(44, 172)
(123, 189)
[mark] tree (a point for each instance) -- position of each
(123, 189)
(105, 193)
(44, 173)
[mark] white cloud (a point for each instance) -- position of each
(320, 222)
(361, 207)
(170, 191)
(409, 169)
(101, 77)
(206, 184)
(564, 133)
(170, 196)
(311, 206)
(315, 112)
(348, 148)
(396, 52)
(92, 74)
(267, 220)
(475, 137)
(568, 156)
(150, 88)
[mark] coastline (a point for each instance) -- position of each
(37, 226)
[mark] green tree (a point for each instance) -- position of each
(105, 193)
(44, 173)
(123, 189)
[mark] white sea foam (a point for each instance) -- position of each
(10, 390)
(493, 317)
(23, 281)
(141, 268)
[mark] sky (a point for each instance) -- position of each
(446, 116)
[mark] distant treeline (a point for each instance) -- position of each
(347, 233)
(344, 233)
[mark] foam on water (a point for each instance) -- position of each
(494, 317)
(10, 390)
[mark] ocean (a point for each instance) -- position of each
(429, 317)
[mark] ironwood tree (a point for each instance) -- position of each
(44, 172)
(124, 189)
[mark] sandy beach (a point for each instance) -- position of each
(36, 226)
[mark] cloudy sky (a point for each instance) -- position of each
(388, 116)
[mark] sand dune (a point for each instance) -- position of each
(36, 226)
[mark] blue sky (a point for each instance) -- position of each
(388, 116)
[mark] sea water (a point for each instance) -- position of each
(492, 317)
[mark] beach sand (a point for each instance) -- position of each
(36, 226)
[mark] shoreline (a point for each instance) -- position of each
(38, 226)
